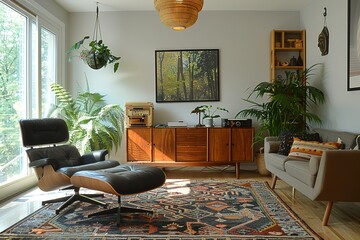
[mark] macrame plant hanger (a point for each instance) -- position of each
(96, 58)
(97, 29)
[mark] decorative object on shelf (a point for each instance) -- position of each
(323, 39)
(178, 15)
(209, 114)
(293, 61)
(98, 55)
(198, 110)
(288, 107)
(187, 75)
(299, 61)
(298, 43)
(284, 64)
(291, 42)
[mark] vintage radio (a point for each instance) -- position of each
(139, 114)
(237, 123)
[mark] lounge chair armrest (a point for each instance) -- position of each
(41, 162)
(94, 156)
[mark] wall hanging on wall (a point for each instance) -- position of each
(353, 45)
(323, 40)
(178, 15)
(98, 55)
(187, 75)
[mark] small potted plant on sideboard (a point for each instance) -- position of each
(209, 113)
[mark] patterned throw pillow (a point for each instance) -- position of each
(287, 138)
(307, 149)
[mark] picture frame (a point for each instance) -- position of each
(353, 79)
(187, 75)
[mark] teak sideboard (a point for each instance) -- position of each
(190, 146)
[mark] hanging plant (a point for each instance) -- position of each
(98, 55)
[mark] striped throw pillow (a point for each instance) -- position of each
(307, 149)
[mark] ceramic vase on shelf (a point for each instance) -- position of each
(300, 62)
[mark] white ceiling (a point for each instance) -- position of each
(209, 5)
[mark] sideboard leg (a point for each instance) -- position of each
(237, 170)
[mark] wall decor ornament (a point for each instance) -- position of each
(323, 39)
(353, 82)
(98, 55)
(178, 14)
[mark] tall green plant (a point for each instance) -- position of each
(288, 104)
(92, 123)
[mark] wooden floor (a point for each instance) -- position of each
(344, 221)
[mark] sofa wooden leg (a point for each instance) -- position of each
(327, 213)
(273, 182)
(293, 192)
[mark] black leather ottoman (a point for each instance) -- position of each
(125, 179)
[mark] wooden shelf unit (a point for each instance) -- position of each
(284, 47)
(169, 147)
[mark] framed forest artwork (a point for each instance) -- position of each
(187, 75)
(353, 45)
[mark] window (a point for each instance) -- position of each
(29, 49)
(13, 30)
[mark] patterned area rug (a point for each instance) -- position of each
(183, 209)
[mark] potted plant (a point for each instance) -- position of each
(98, 55)
(92, 123)
(198, 110)
(209, 114)
(288, 104)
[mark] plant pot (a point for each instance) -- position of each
(208, 122)
(260, 163)
(95, 60)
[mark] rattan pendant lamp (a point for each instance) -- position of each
(178, 14)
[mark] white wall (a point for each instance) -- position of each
(341, 109)
(243, 38)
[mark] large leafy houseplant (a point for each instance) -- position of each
(92, 123)
(288, 105)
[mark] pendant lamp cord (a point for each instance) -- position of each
(97, 30)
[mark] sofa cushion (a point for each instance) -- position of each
(300, 170)
(277, 160)
(287, 138)
(307, 149)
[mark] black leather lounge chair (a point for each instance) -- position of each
(55, 164)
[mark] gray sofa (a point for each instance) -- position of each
(335, 176)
